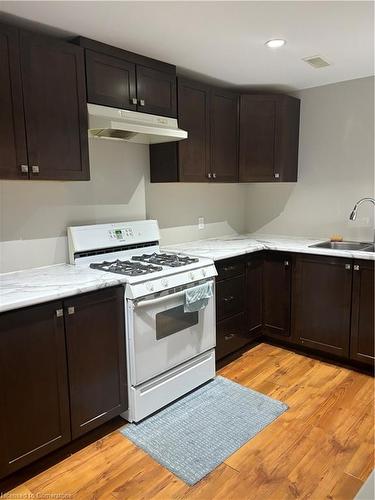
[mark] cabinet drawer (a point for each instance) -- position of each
(230, 335)
(229, 268)
(230, 297)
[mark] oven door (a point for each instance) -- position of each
(161, 335)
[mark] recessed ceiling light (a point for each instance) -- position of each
(275, 43)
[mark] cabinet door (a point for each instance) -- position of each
(156, 91)
(257, 138)
(269, 138)
(224, 136)
(277, 295)
(322, 303)
(55, 108)
(12, 126)
(254, 291)
(193, 113)
(34, 397)
(95, 335)
(110, 81)
(362, 327)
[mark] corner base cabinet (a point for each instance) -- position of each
(62, 373)
(322, 303)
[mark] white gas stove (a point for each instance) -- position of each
(169, 351)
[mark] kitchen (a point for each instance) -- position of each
(273, 165)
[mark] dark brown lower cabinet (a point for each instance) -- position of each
(362, 322)
(96, 358)
(322, 292)
(230, 299)
(62, 373)
(231, 335)
(254, 288)
(231, 328)
(277, 294)
(34, 400)
(322, 303)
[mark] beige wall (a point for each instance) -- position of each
(34, 215)
(336, 168)
(177, 207)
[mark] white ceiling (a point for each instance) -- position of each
(225, 40)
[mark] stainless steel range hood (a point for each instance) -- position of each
(142, 128)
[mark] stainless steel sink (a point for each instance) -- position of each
(345, 245)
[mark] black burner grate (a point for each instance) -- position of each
(165, 259)
(126, 267)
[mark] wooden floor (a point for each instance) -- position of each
(322, 447)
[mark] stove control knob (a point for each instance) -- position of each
(164, 282)
(150, 287)
(191, 276)
(204, 272)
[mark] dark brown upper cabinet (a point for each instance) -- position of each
(209, 154)
(224, 136)
(322, 291)
(277, 277)
(269, 137)
(55, 108)
(13, 152)
(156, 91)
(110, 81)
(362, 321)
(50, 106)
(125, 80)
(194, 116)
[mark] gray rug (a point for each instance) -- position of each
(198, 432)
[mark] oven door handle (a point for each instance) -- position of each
(149, 302)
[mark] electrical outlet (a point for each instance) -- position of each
(200, 222)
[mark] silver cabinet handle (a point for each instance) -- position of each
(134, 100)
(229, 299)
(214, 175)
(348, 266)
(229, 268)
(35, 169)
(71, 310)
(277, 175)
(286, 263)
(356, 267)
(59, 313)
(142, 102)
(229, 336)
(24, 169)
(209, 175)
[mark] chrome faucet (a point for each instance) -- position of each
(353, 214)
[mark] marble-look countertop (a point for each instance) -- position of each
(234, 245)
(34, 286)
(42, 284)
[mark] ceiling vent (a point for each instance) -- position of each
(316, 62)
